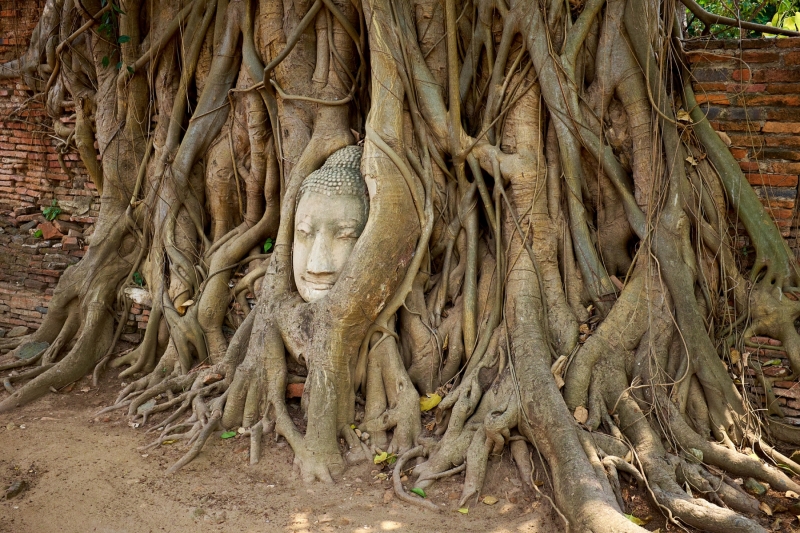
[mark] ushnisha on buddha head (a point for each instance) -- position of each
(332, 210)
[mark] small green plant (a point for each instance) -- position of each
(268, 245)
(52, 211)
(108, 27)
(138, 279)
(38, 234)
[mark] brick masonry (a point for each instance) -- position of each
(750, 91)
(31, 176)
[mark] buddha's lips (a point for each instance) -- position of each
(318, 285)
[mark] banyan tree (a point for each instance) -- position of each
(515, 208)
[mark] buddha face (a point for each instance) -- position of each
(325, 231)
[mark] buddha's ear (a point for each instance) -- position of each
(372, 186)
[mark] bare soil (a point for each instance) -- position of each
(85, 474)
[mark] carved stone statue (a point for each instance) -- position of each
(332, 210)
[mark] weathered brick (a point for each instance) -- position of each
(713, 98)
(772, 180)
(781, 127)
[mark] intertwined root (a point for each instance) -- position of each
(505, 211)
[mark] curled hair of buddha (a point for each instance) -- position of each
(340, 175)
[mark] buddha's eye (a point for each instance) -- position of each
(347, 233)
(303, 230)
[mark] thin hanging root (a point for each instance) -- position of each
(256, 434)
(30, 374)
(716, 489)
(519, 451)
(476, 460)
(21, 363)
(188, 436)
(447, 473)
(777, 456)
(13, 343)
(176, 384)
(398, 485)
(200, 441)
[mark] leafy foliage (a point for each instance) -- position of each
(759, 11)
(52, 211)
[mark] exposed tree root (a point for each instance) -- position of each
(547, 250)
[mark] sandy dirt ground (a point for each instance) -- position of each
(86, 474)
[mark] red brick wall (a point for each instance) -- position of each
(30, 178)
(751, 92)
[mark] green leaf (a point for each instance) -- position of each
(637, 521)
(38, 234)
(52, 211)
(419, 492)
(464, 510)
(772, 362)
(268, 245)
(123, 39)
(228, 434)
(130, 69)
(118, 10)
(119, 65)
(138, 279)
(106, 61)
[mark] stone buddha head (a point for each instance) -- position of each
(332, 210)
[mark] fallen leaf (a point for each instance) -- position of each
(683, 116)
(228, 435)
(766, 508)
(637, 521)
(379, 458)
(490, 500)
(789, 493)
(429, 401)
(558, 370)
(692, 161)
(725, 138)
(581, 414)
(463, 510)
(171, 441)
(735, 356)
(419, 492)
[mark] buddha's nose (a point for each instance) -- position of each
(319, 258)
